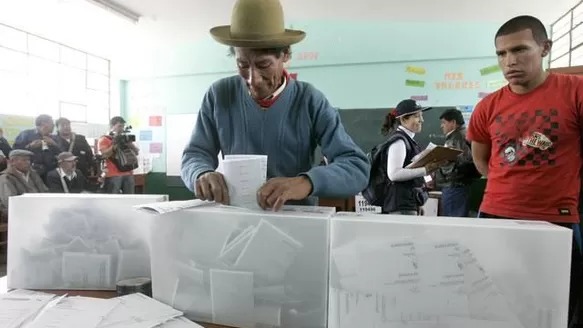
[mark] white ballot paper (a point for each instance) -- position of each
(244, 175)
(16, 309)
(139, 311)
(74, 312)
(180, 322)
(168, 207)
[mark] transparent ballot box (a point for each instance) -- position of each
(77, 241)
(393, 271)
(244, 268)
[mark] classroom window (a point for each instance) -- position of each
(577, 35)
(74, 112)
(12, 39)
(577, 57)
(73, 58)
(12, 61)
(567, 36)
(39, 76)
(561, 47)
(561, 62)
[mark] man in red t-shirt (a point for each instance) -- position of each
(526, 137)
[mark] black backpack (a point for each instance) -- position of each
(470, 170)
(124, 159)
(378, 183)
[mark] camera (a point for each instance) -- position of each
(125, 137)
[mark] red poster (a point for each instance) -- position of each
(155, 121)
(155, 147)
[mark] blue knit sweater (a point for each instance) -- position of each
(288, 132)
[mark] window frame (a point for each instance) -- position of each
(61, 63)
(572, 27)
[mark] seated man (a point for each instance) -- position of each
(18, 179)
(66, 178)
(41, 143)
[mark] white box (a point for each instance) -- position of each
(394, 271)
(244, 268)
(77, 241)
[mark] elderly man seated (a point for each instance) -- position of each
(18, 179)
(66, 178)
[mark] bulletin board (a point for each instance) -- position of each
(12, 125)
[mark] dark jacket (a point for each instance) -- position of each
(81, 149)
(455, 174)
(43, 160)
(404, 195)
(75, 186)
(12, 183)
(6, 149)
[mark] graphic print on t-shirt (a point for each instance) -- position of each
(531, 142)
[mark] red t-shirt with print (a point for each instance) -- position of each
(535, 140)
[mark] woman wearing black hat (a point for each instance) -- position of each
(406, 190)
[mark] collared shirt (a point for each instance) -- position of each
(278, 91)
(64, 174)
(410, 133)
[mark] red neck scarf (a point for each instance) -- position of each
(267, 102)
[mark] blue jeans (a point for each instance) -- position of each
(454, 201)
(124, 184)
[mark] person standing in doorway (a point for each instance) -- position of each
(455, 178)
(526, 139)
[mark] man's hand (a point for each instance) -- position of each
(49, 141)
(277, 191)
(212, 186)
(35, 144)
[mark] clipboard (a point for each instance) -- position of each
(435, 154)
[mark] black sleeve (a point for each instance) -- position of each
(88, 153)
(54, 182)
(83, 184)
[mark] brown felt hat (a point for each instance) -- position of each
(257, 24)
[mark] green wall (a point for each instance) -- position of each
(358, 65)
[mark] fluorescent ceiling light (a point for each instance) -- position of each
(117, 9)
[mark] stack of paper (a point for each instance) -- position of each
(138, 311)
(19, 308)
(244, 175)
(29, 309)
(74, 312)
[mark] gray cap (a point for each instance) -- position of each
(20, 152)
(66, 157)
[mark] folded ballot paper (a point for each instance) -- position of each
(28, 309)
(241, 267)
(244, 175)
(434, 153)
(397, 271)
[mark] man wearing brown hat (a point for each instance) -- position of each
(264, 111)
